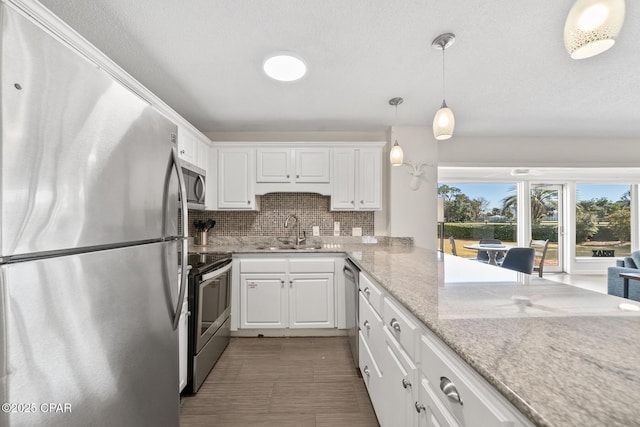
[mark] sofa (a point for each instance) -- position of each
(615, 283)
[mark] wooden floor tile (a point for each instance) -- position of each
(282, 382)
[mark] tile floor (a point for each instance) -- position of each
(281, 382)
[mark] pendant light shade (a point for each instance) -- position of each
(396, 156)
(592, 26)
(443, 123)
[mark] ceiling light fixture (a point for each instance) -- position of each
(443, 122)
(284, 67)
(592, 26)
(396, 155)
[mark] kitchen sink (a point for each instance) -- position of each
(289, 248)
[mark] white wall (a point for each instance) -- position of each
(413, 213)
(530, 151)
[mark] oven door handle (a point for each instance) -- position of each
(216, 272)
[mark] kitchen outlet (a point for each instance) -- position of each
(356, 231)
(336, 228)
(316, 230)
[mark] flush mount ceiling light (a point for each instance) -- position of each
(592, 26)
(443, 122)
(396, 156)
(284, 67)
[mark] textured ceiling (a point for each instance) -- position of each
(506, 75)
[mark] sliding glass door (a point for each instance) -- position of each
(546, 222)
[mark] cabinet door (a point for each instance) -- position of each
(399, 383)
(263, 299)
(183, 331)
(431, 413)
(273, 165)
(312, 165)
(343, 179)
(369, 195)
(187, 146)
(311, 300)
(203, 155)
(236, 179)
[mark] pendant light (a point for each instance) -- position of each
(592, 26)
(396, 156)
(443, 122)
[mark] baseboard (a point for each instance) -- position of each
(332, 332)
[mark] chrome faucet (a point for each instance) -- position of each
(298, 238)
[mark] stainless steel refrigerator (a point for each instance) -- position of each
(89, 242)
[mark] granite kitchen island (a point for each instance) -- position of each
(563, 356)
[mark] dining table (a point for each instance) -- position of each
(491, 248)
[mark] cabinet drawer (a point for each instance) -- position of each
(270, 265)
(481, 404)
(371, 293)
(372, 377)
(311, 265)
(401, 327)
(370, 324)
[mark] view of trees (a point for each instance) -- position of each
(609, 220)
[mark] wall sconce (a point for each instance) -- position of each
(592, 26)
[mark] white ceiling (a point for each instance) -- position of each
(506, 75)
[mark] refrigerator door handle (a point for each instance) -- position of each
(185, 241)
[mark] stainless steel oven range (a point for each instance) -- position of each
(209, 323)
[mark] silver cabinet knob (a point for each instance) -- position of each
(366, 324)
(181, 151)
(450, 390)
(361, 202)
(406, 383)
(287, 175)
(351, 202)
(419, 407)
(282, 283)
(367, 291)
(297, 176)
(248, 202)
(366, 370)
(394, 324)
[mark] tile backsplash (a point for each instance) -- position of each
(310, 208)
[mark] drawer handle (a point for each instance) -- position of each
(367, 291)
(449, 388)
(406, 383)
(419, 407)
(366, 370)
(394, 324)
(366, 324)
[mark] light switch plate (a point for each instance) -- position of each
(336, 228)
(356, 231)
(316, 230)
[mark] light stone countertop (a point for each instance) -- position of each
(562, 355)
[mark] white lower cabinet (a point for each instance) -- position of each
(399, 377)
(183, 350)
(264, 300)
(414, 379)
(287, 293)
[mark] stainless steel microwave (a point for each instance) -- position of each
(196, 185)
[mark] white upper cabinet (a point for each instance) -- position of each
(356, 181)
(292, 165)
(312, 165)
(187, 146)
(236, 178)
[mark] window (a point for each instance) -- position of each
(474, 211)
(603, 220)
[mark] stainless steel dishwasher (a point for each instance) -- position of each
(351, 287)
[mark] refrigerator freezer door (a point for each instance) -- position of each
(84, 161)
(92, 333)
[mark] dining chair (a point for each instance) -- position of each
(520, 259)
(452, 242)
(541, 252)
(484, 255)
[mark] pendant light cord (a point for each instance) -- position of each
(443, 92)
